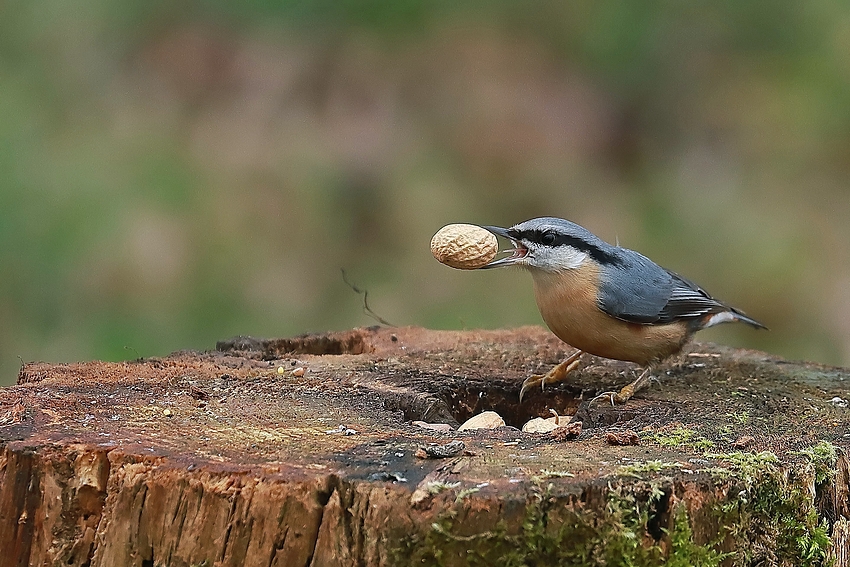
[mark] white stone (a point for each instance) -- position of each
(484, 420)
(545, 425)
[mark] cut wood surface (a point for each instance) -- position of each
(304, 452)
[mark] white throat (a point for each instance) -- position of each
(557, 259)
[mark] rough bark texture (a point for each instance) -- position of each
(301, 452)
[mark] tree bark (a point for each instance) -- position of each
(303, 452)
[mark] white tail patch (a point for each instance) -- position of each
(717, 318)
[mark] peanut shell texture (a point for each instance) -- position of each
(464, 246)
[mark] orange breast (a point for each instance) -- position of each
(567, 302)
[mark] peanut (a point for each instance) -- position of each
(464, 246)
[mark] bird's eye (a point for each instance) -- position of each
(547, 238)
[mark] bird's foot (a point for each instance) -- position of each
(626, 393)
(554, 376)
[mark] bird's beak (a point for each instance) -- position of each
(519, 251)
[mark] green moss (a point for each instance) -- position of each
(438, 486)
(746, 467)
(465, 493)
(683, 551)
(822, 458)
(639, 468)
(768, 517)
(682, 436)
(546, 473)
(553, 533)
(725, 430)
(741, 418)
(770, 512)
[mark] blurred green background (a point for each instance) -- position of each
(174, 173)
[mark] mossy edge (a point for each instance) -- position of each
(765, 512)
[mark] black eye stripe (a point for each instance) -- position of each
(543, 237)
(554, 239)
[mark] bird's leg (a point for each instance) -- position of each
(557, 374)
(626, 393)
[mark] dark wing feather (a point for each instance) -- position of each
(640, 291)
(688, 301)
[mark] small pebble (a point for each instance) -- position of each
(744, 441)
(299, 372)
(444, 427)
(388, 477)
(341, 429)
(566, 432)
(484, 420)
(545, 425)
(451, 449)
(167, 412)
(627, 437)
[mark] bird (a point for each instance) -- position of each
(607, 300)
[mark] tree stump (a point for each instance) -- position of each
(303, 452)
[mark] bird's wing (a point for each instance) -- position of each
(640, 291)
(689, 301)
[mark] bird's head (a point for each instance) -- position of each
(550, 245)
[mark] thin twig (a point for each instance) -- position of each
(366, 309)
(138, 356)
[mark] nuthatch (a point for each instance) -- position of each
(608, 301)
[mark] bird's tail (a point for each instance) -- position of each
(748, 320)
(731, 315)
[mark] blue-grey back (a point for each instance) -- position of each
(638, 290)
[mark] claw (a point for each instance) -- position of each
(557, 374)
(529, 383)
(614, 397)
(522, 392)
(627, 391)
